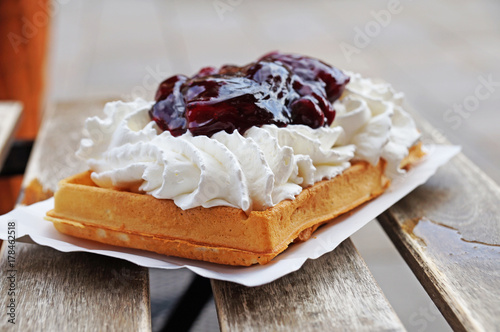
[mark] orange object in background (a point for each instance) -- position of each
(24, 27)
(9, 190)
(24, 30)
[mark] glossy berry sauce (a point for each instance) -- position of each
(278, 89)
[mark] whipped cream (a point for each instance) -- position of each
(254, 171)
(371, 114)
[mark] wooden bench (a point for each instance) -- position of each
(63, 291)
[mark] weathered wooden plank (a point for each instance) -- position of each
(448, 230)
(335, 292)
(53, 156)
(10, 113)
(73, 291)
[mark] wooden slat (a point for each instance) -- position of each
(73, 291)
(53, 156)
(335, 292)
(10, 113)
(448, 230)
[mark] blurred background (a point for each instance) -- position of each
(443, 55)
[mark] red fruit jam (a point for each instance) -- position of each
(278, 89)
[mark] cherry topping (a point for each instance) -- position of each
(168, 112)
(206, 71)
(313, 71)
(306, 111)
(278, 89)
(226, 103)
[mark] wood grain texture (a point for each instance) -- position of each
(452, 52)
(10, 112)
(448, 231)
(73, 291)
(335, 292)
(53, 156)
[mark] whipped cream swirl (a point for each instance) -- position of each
(254, 171)
(373, 119)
